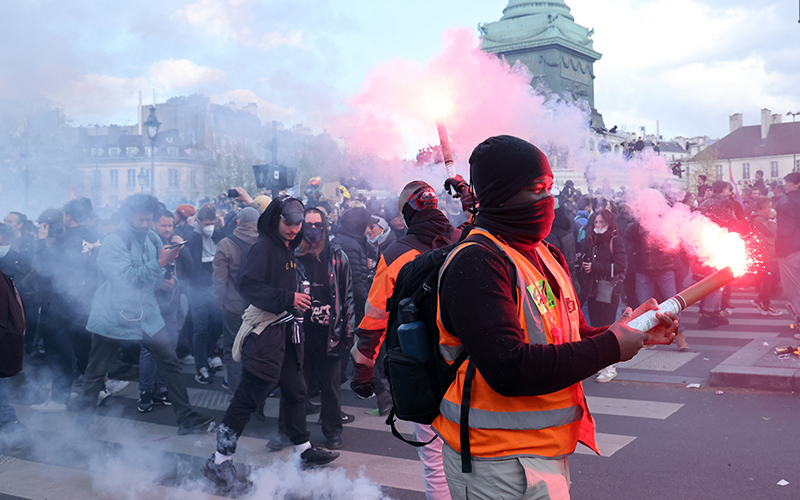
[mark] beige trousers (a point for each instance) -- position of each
(521, 478)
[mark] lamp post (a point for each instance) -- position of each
(142, 178)
(152, 125)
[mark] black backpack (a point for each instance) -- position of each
(418, 387)
(12, 328)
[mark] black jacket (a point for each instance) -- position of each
(199, 274)
(343, 320)
(352, 241)
(603, 252)
(787, 240)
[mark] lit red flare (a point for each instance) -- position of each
(449, 164)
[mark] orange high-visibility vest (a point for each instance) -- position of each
(548, 426)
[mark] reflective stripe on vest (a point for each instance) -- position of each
(549, 425)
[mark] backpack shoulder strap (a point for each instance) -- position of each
(243, 247)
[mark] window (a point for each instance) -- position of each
(194, 178)
(97, 152)
(745, 170)
(113, 151)
(148, 151)
(172, 151)
(131, 151)
(173, 177)
(719, 172)
(113, 178)
(773, 169)
(796, 166)
(131, 178)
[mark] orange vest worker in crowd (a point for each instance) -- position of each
(506, 297)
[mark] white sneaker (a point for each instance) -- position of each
(115, 386)
(607, 374)
(215, 362)
(102, 396)
(50, 406)
(187, 360)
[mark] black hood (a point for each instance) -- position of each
(269, 220)
(355, 221)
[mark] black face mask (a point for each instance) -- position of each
(529, 223)
(313, 234)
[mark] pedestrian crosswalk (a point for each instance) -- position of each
(383, 460)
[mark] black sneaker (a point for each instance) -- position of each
(384, 403)
(313, 408)
(314, 456)
(722, 320)
(223, 475)
(161, 399)
(279, 442)
(145, 403)
(203, 376)
(708, 320)
(194, 423)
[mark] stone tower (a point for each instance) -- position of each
(544, 36)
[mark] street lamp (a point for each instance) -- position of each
(142, 178)
(152, 125)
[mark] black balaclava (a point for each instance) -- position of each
(500, 167)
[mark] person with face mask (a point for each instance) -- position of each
(379, 236)
(206, 316)
(130, 264)
(507, 299)
(606, 261)
(330, 321)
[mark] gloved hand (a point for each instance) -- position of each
(629, 339)
(361, 386)
(455, 186)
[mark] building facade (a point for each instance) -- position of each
(772, 147)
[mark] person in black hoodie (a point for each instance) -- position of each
(352, 240)
(268, 343)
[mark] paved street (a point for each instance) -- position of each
(660, 439)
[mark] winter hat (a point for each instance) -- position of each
(186, 210)
(247, 214)
(501, 166)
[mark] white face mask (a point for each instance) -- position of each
(600, 230)
(208, 230)
(4, 250)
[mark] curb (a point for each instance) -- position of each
(755, 366)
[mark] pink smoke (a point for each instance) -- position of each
(394, 116)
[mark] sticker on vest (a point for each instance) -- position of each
(542, 296)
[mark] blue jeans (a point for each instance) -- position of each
(207, 323)
(149, 377)
(7, 413)
(665, 283)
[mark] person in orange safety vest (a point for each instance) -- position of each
(516, 410)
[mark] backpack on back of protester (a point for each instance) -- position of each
(418, 374)
(12, 328)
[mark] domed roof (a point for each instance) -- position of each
(522, 8)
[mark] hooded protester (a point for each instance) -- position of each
(124, 308)
(507, 299)
(428, 229)
(379, 237)
(206, 317)
(228, 259)
(269, 343)
(330, 321)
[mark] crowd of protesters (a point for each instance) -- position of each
(139, 294)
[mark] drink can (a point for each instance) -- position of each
(305, 287)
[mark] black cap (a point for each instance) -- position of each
(293, 212)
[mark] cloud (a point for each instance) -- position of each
(95, 97)
(232, 20)
(181, 73)
(689, 63)
(267, 111)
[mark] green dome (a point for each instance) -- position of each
(522, 8)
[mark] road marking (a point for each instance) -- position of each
(717, 334)
(608, 444)
(631, 407)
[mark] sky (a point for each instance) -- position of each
(688, 64)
